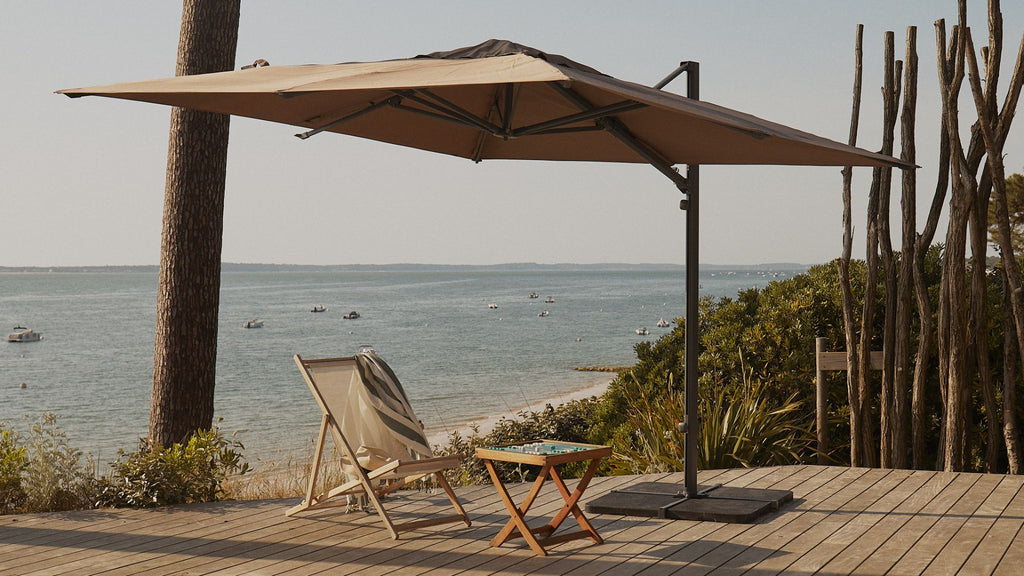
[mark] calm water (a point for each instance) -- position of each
(458, 359)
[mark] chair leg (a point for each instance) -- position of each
(314, 469)
(451, 496)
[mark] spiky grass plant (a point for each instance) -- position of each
(738, 428)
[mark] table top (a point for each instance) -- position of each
(541, 452)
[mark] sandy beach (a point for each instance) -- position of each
(438, 434)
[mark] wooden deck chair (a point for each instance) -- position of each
(379, 438)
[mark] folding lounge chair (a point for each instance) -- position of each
(379, 438)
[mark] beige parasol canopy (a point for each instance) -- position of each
(496, 100)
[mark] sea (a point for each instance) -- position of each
(467, 343)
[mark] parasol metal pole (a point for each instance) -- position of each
(692, 70)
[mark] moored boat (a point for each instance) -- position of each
(254, 323)
(351, 315)
(22, 334)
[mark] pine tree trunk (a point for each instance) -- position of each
(185, 358)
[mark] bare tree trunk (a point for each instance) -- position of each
(849, 321)
(890, 103)
(994, 129)
(188, 300)
(866, 328)
(1011, 433)
(955, 274)
(905, 296)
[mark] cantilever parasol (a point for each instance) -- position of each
(501, 100)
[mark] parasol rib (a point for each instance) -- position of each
(443, 106)
(394, 100)
(592, 114)
(511, 100)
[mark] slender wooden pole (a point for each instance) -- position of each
(821, 396)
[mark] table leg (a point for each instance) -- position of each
(518, 519)
(572, 502)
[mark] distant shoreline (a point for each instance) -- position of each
(229, 267)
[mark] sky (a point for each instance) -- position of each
(82, 181)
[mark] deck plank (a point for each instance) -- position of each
(842, 521)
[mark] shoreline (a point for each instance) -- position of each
(438, 435)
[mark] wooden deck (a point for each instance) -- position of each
(842, 521)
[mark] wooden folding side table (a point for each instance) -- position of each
(547, 454)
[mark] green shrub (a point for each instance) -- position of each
(570, 422)
(55, 478)
(13, 461)
(181, 473)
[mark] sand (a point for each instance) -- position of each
(438, 436)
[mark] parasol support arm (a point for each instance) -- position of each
(683, 67)
(622, 134)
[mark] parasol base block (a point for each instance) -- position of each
(713, 504)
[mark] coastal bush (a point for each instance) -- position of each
(194, 471)
(13, 461)
(569, 422)
(775, 327)
(738, 428)
(55, 478)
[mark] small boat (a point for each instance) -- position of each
(543, 313)
(534, 295)
(642, 331)
(492, 306)
(550, 300)
(318, 309)
(254, 323)
(662, 323)
(22, 334)
(351, 315)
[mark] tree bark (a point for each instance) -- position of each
(184, 364)
(890, 103)
(843, 265)
(1011, 433)
(955, 273)
(905, 296)
(993, 129)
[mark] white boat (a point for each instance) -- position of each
(254, 323)
(534, 295)
(662, 323)
(550, 300)
(543, 313)
(351, 315)
(22, 334)
(492, 306)
(318, 309)
(642, 331)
